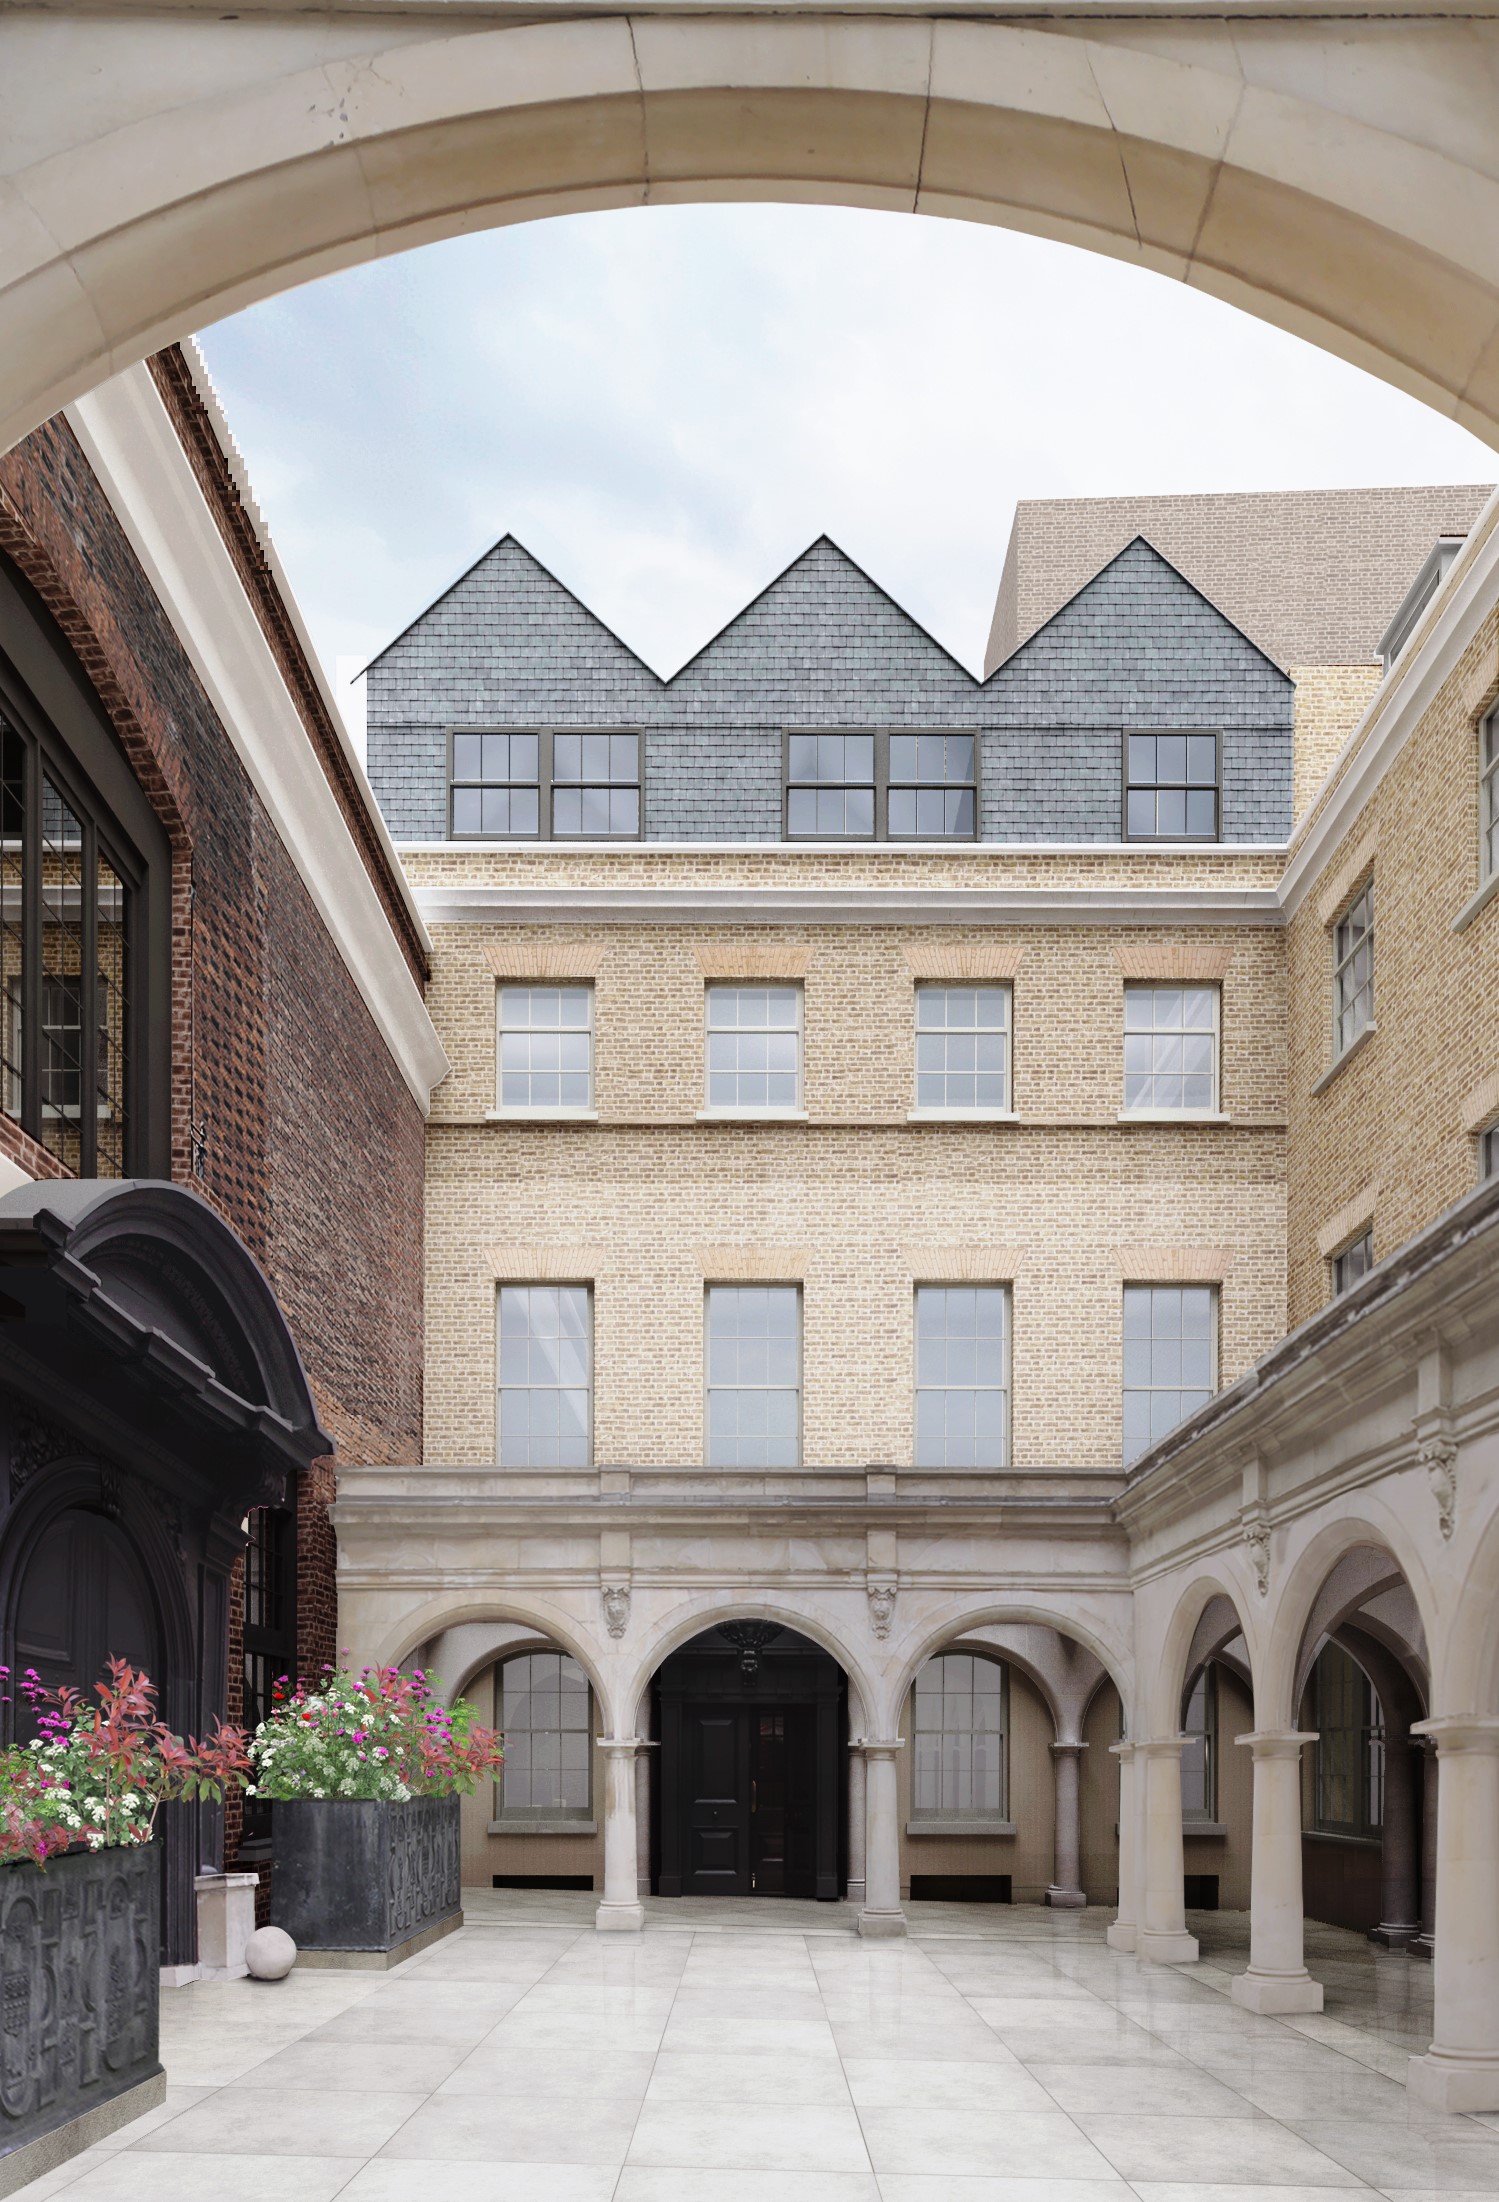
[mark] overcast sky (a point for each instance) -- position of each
(667, 405)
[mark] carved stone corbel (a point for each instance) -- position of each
(881, 1608)
(616, 1608)
(1438, 1456)
(1257, 1538)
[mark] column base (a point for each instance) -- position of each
(1164, 1948)
(1120, 1934)
(1442, 2081)
(1394, 1937)
(619, 1918)
(1421, 1948)
(882, 1926)
(1275, 1995)
(1066, 1899)
(855, 1892)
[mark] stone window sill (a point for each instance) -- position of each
(1214, 1830)
(960, 1827)
(1348, 1842)
(1173, 1116)
(1354, 1047)
(518, 1826)
(962, 1116)
(1480, 901)
(752, 1116)
(541, 1116)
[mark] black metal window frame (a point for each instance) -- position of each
(1157, 787)
(1352, 1262)
(269, 1610)
(46, 700)
(881, 784)
(1201, 1692)
(544, 780)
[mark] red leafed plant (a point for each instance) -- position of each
(98, 1774)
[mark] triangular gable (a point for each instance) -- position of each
(503, 570)
(1099, 599)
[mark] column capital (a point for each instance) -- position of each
(1161, 1747)
(623, 1746)
(1123, 1750)
(1453, 1732)
(1060, 1749)
(873, 1749)
(1277, 1743)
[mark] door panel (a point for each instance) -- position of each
(716, 1741)
(82, 1599)
(768, 1804)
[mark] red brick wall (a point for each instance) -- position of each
(312, 1146)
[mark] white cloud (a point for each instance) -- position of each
(667, 405)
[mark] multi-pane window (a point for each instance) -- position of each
(1488, 1152)
(962, 1376)
(542, 1709)
(933, 787)
(1488, 797)
(1355, 1261)
(1171, 787)
(270, 1629)
(1353, 971)
(754, 1047)
(545, 1376)
(66, 947)
(1169, 1357)
(958, 1728)
(754, 1376)
(1171, 1047)
(830, 786)
(1349, 1724)
(963, 1047)
(546, 1047)
(1200, 1748)
(867, 785)
(535, 785)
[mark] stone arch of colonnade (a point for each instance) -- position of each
(689, 1619)
(544, 1623)
(1336, 179)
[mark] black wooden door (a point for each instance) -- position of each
(802, 1824)
(82, 1600)
(717, 1849)
(768, 1803)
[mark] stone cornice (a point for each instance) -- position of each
(675, 904)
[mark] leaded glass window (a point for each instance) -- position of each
(546, 1047)
(66, 948)
(754, 1047)
(963, 1047)
(1169, 1359)
(1353, 972)
(543, 1713)
(1349, 1723)
(1200, 1748)
(962, 1376)
(958, 1770)
(754, 1376)
(545, 1376)
(1171, 1048)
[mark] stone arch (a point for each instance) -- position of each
(714, 1608)
(940, 1635)
(1188, 1644)
(1337, 192)
(1295, 1605)
(1465, 1677)
(559, 1628)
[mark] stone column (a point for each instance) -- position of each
(1121, 1933)
(882, 1915)
(1066, 1891)
(1424, 1943)
(1162, 1934)
(1460, 2071)
(856, 1827)
(621, 1911)
(1400, 1850)
(1277, 1980)
(642, 1822)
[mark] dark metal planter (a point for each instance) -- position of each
(80, 1993)
(364, 1881)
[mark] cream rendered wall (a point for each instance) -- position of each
(1100, 1797)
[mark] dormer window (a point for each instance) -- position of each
(875, 785)
(1171, 787)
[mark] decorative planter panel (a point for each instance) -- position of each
(365, 1876)
(80, 1985)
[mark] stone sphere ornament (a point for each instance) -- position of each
(270, 1953)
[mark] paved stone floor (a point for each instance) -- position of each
(759, 2052)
